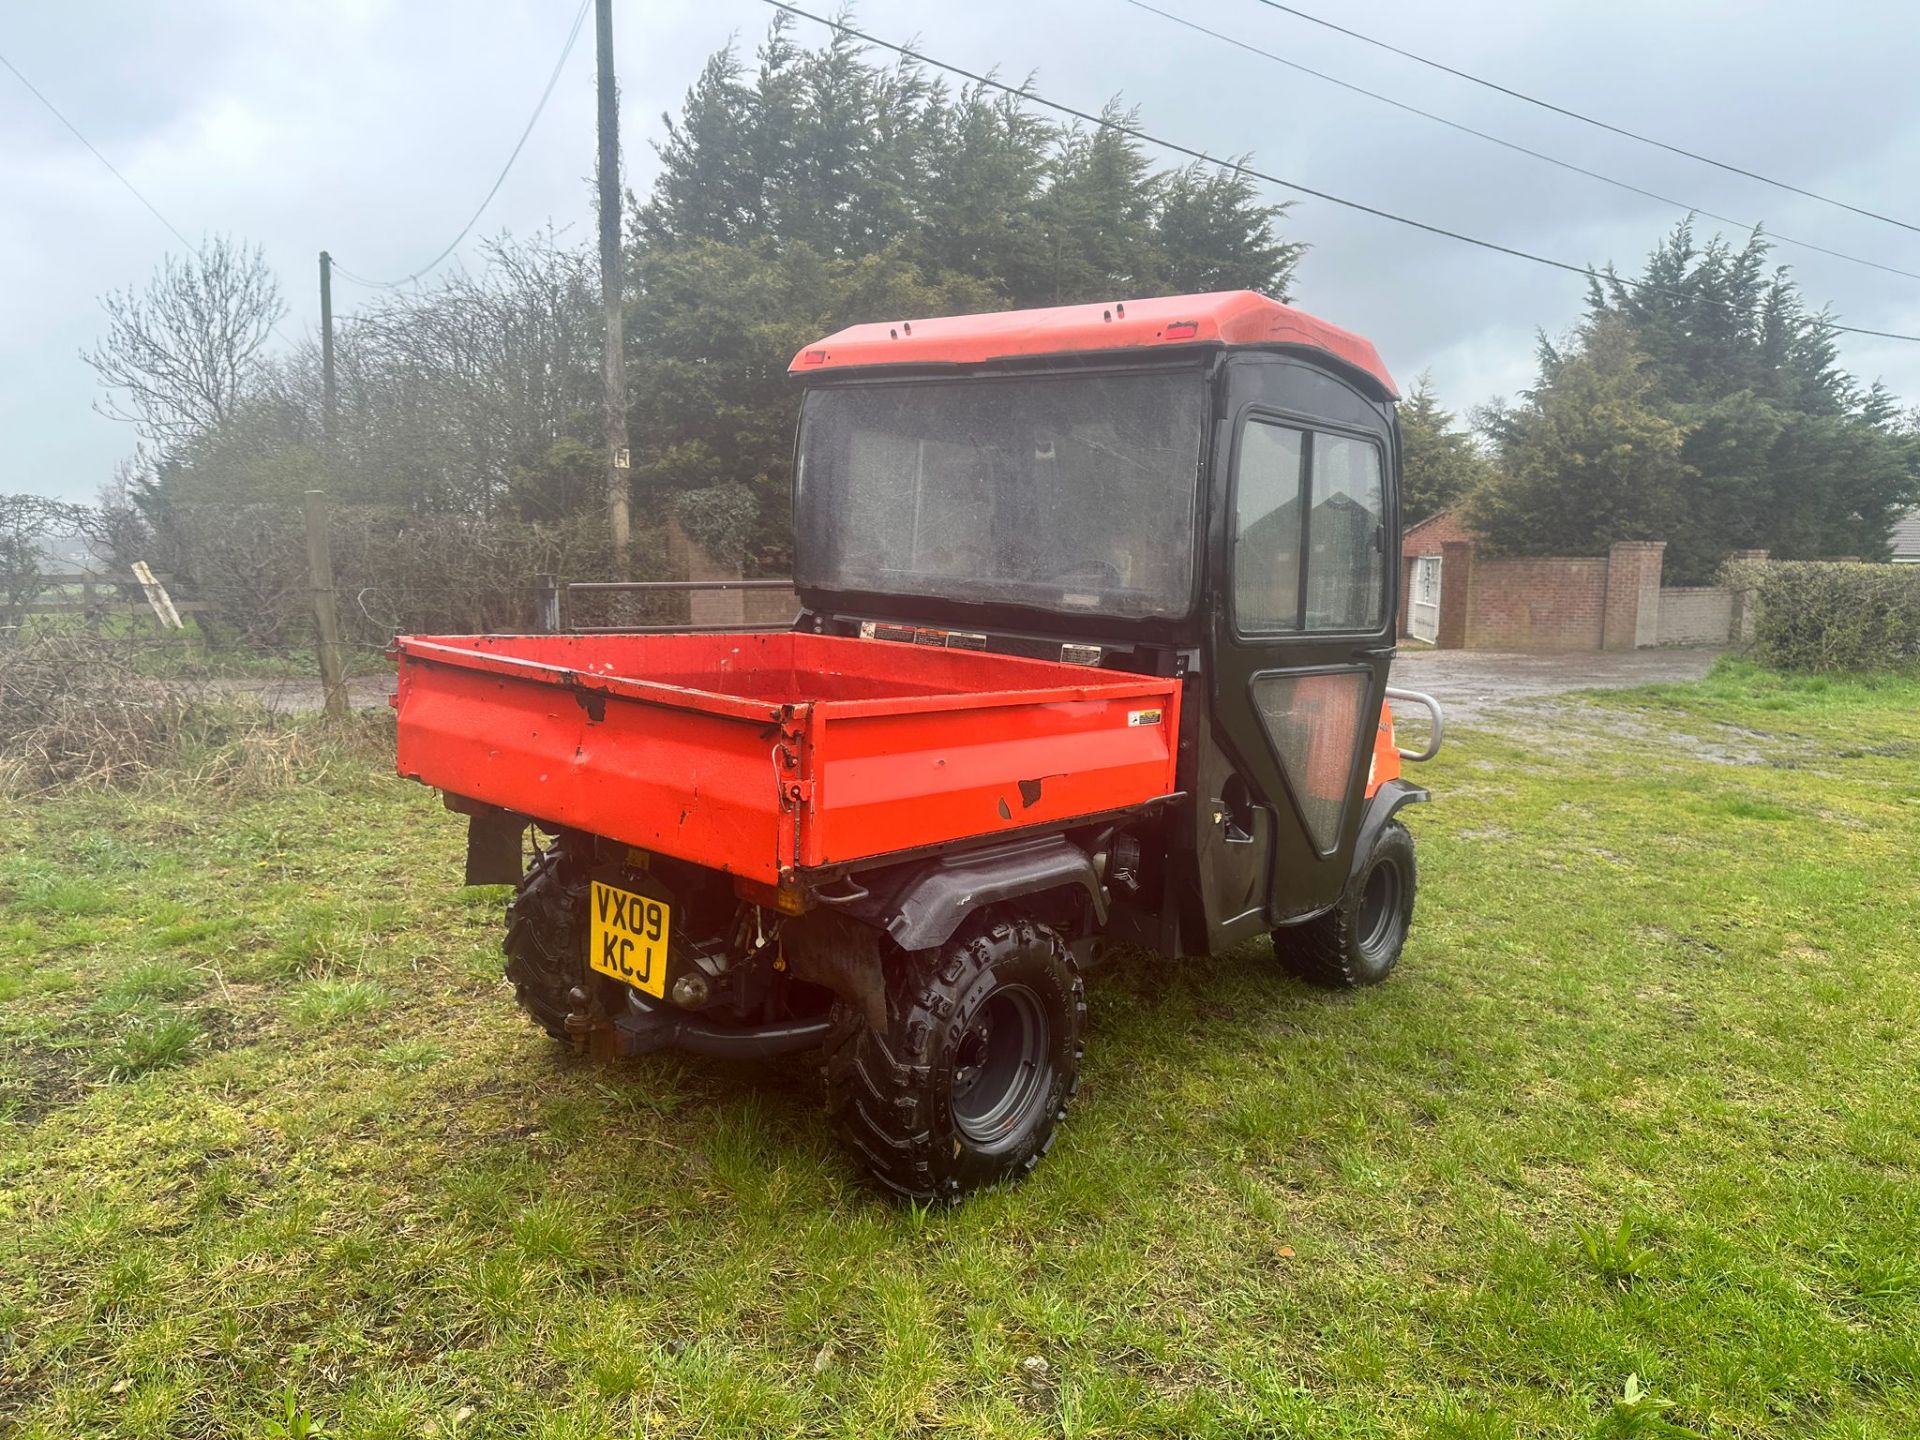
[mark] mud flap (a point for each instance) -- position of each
(496, 849)
(840, 955)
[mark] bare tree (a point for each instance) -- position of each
(115, 531)
(27, 522)
(179, 355)
(480, 394)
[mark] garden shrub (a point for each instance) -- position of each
(1817, 615)
(394, 572)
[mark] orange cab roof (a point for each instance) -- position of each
(1229, 317)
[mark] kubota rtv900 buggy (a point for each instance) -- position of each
(1099, 603)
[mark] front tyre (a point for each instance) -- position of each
(971, 1078)
(1358, 941)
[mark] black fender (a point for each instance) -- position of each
(1390, 799)
(921, 905)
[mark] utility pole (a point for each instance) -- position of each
(614, 365)
(330, 413)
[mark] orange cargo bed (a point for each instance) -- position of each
(769, 754)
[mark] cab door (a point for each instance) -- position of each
(1302, 615)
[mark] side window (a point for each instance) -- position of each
(1344, 564)
(1266, 528)
(1306, 498)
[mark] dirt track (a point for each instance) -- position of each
(1470, 683)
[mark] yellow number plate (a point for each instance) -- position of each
(627, 938)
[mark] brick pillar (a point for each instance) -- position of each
(1632, 616)
(1646, 629)
(713, 607)
(1456, 593)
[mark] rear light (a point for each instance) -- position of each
(1181, 330)
(814, 357)
(787, 899)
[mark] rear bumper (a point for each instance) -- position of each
(645, 1028)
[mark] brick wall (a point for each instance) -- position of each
(732, 607)
(1550, 605)
(770, 607)
(1536, 606)
(1695, 615)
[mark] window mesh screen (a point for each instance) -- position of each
(1314, 723)
(1063, 492)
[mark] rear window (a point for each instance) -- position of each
(1071, 493)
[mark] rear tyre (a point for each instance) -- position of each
(1358, 941)
(545, 939)
(969, 1083)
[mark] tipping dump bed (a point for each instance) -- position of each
(767, 754)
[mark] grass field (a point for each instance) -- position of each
(1630, 1147)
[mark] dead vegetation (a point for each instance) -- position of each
(75, 712)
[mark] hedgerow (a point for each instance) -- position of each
(1816, 615)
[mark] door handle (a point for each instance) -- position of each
(1377, 652)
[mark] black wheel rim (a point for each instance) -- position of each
(1380, 908)
(1001, 1068)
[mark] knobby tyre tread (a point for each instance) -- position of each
(542, 944)
(1328, 950)
(890, 1095)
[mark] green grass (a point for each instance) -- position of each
(1630, 1147)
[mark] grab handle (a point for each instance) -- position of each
(1433, 710)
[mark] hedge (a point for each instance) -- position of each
(1816, 615)
(394, 571)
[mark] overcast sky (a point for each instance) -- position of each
(372, 128)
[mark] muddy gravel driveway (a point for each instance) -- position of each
(1471, 683)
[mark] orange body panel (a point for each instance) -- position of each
(1228, 317)
(763, 754)
(1385, 765)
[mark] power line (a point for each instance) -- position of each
(113, 170)
(1513, 145)
(1589, 119)
(1586, 272)
(74, 130)
(573, 34)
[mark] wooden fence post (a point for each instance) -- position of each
(157, 596)
(326, 620)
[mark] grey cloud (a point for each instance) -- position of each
(371, 128)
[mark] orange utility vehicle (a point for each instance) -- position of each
(1098, 607)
